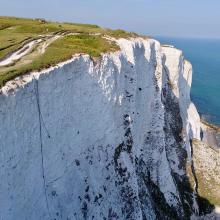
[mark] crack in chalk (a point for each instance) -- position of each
(193, 169)
(39, 110)
(169, 165)
(41, 145)
(196, 187)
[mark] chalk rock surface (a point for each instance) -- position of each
(101, 140)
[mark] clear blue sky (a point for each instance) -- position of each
(186, 18)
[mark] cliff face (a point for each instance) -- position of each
(100, 140)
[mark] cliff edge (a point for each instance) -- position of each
(105, 139)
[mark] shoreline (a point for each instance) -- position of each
(211, 134)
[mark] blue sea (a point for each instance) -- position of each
(204, 54)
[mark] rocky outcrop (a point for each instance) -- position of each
(100, 140)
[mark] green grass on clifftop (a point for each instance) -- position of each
(61, 50)
(16, 32)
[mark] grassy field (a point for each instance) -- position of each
(61, 50)
(15, 32)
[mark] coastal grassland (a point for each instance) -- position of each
(77, 38)
(61, 50)
(15, 31)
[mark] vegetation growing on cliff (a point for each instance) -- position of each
(16, 33)
(58, 51)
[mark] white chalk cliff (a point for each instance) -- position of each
(101, 140)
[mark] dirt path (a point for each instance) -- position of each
(28, 50)
(19, 53)
(31, 50)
